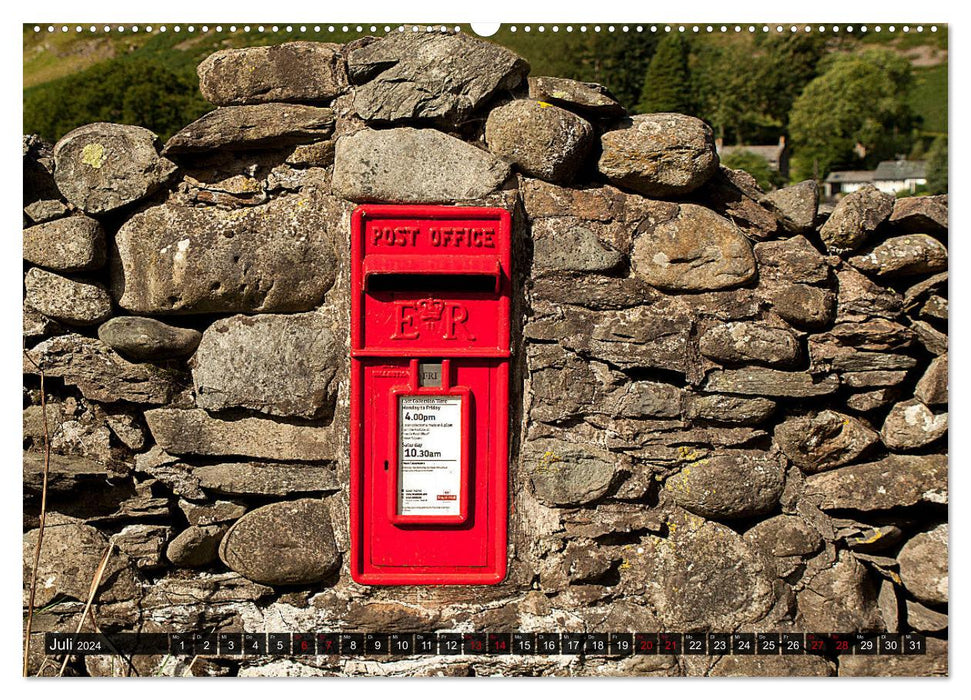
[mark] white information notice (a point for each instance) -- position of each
(429, 455)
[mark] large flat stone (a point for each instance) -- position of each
(195, 432)
(252, 127)
(564, 473)
(413, 165)
(299, 71)
(278, 257)
(758, 381)
(281, 365)
(730, 485)
(895, 481)
(100, 373)
(266, 479)
(430, 76)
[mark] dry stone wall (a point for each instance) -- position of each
(729, 408)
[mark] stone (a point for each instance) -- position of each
(643, 399)
(749, 341)
(932, 339)
(737, 410)
(728, 486)
(920, 214)
(785, 536)
(585, 562)
(643, 336)
(211, 513)
(894, 481)
(45, 210)
(916, 293)
(280, 365)
(796, 205)
(933, 663)
(803, 306)
(143, 544)
(916, 254)
(37, 325)
(278, 257)
(889, 606)
(585, 98)
(168, 469)
(100, 373)
(839, 597)
(855, 219)
(757, 381)
(772, 667)
(911, 424)
(413, 165)
(844, 359)
(66, 474)
(874, 334)
(564, 473)
(819, 441)
(860, 297)
(196, 546)
(195, 432)
(587, 203)
(299, 71)
(659, 155)
(734, 194)
(871, 400)
(435, 77)
(697, 250)
(567, 245)
(69, 560)
(319, 154)
(283, 544)
(923, 565)
(701, 576)
(791, 261)
(72, 244)
(66, 300)
(261, 479)
(38, 163)
(103, 167)
(252, 127)
(540, 139)
(932, 387)
(935, 308)
(866, 380)
(147, 339)
(923, 619)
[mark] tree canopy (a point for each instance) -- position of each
(858, 99)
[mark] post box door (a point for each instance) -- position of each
(429, 394)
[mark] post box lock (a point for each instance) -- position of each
(430, 301)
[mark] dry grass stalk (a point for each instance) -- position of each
(92, 592)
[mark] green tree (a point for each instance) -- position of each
(125, 91)
(667, 85)
(756, 166)
(858, 99)
(937, 166)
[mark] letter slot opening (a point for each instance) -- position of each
(404, 282)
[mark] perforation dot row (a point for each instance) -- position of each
(654, 28)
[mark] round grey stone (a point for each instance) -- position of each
(101, 167)
(282, 544)
(147, 339)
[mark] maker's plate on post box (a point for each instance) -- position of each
(430, 300)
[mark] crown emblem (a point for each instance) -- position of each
(430, 312)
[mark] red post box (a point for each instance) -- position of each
(430, 300)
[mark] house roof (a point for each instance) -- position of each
(900, 170)
(841, 176)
